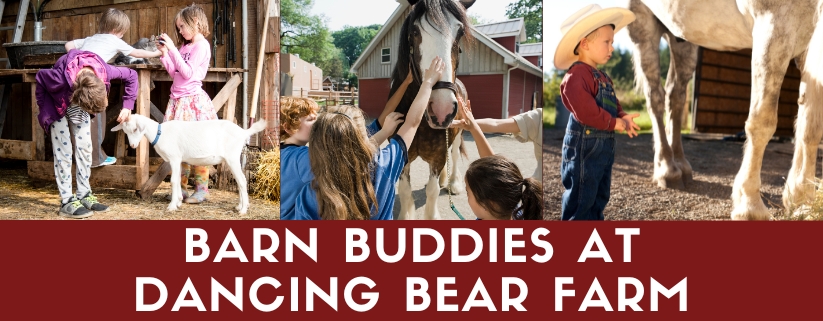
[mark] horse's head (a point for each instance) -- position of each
(435, 28)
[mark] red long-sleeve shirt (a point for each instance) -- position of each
(578, 90)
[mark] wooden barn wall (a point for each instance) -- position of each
(373, 67)
(476, 59)
(74, 19)
(723, 93)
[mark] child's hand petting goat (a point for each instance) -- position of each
(197, 143)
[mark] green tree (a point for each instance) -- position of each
(665, 60)
(478, 20)
(305, 34)
(532, 13)
(353, 40)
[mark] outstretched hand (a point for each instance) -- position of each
(464, 112)
(432, 74)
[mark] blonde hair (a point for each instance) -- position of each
(341, 155)
(194, 18)
(590, 37)
(291, 110)
(90, 93)
(113, 21)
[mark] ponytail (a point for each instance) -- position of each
(498, 187)
(531, 203)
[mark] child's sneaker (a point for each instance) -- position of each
(197, 198)
(90, 202)
(109, 161)
(74, 209)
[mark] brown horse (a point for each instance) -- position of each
(433, 28)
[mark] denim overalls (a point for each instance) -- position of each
(588, 156)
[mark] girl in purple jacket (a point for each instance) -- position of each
(68, 94)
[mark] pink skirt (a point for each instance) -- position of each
(190, 108)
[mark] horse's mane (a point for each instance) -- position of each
(434, 12)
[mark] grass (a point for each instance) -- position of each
(549, 115)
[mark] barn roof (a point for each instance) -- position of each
(508, 28)
(531, 49)
(509, 57)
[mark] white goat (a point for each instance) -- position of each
(199, 143)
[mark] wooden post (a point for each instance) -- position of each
(223, 171)
(120, 143)
(143, 106)
(38, 146)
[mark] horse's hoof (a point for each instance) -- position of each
(751, 211)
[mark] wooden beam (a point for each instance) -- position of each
(38, 148)
(16, 149)
(112, 176)
(229, 89)
(231, 107)
(162, 75)
(150, 186)
(157, 114)
(143, 106)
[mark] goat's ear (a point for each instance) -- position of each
(141, 128)
(118, 127)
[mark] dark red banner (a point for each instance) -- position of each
(657, 270)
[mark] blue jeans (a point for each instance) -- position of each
(586, 171)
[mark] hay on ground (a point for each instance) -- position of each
(266, 179)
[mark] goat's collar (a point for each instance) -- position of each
(156, 137)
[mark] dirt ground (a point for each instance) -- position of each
(635, 197)
(521, 153)
(24, 199)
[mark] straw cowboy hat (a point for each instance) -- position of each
(581, 24)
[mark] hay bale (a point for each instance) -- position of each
(265, 181)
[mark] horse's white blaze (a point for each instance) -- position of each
(439, 44)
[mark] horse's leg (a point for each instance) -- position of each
(645, 33)
(433, 189)
(405, 192)
(456, 181)
(799, 188)
(771, 54)
(681, 69)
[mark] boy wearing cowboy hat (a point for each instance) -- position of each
(588, 147)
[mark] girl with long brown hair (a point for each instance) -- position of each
(352, 179)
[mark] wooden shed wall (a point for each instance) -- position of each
(723, 93)
(73, 19)
(476, 59)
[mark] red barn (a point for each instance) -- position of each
(501, 83)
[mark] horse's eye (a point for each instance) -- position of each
(459, 50)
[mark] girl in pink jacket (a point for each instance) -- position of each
(188, 102)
